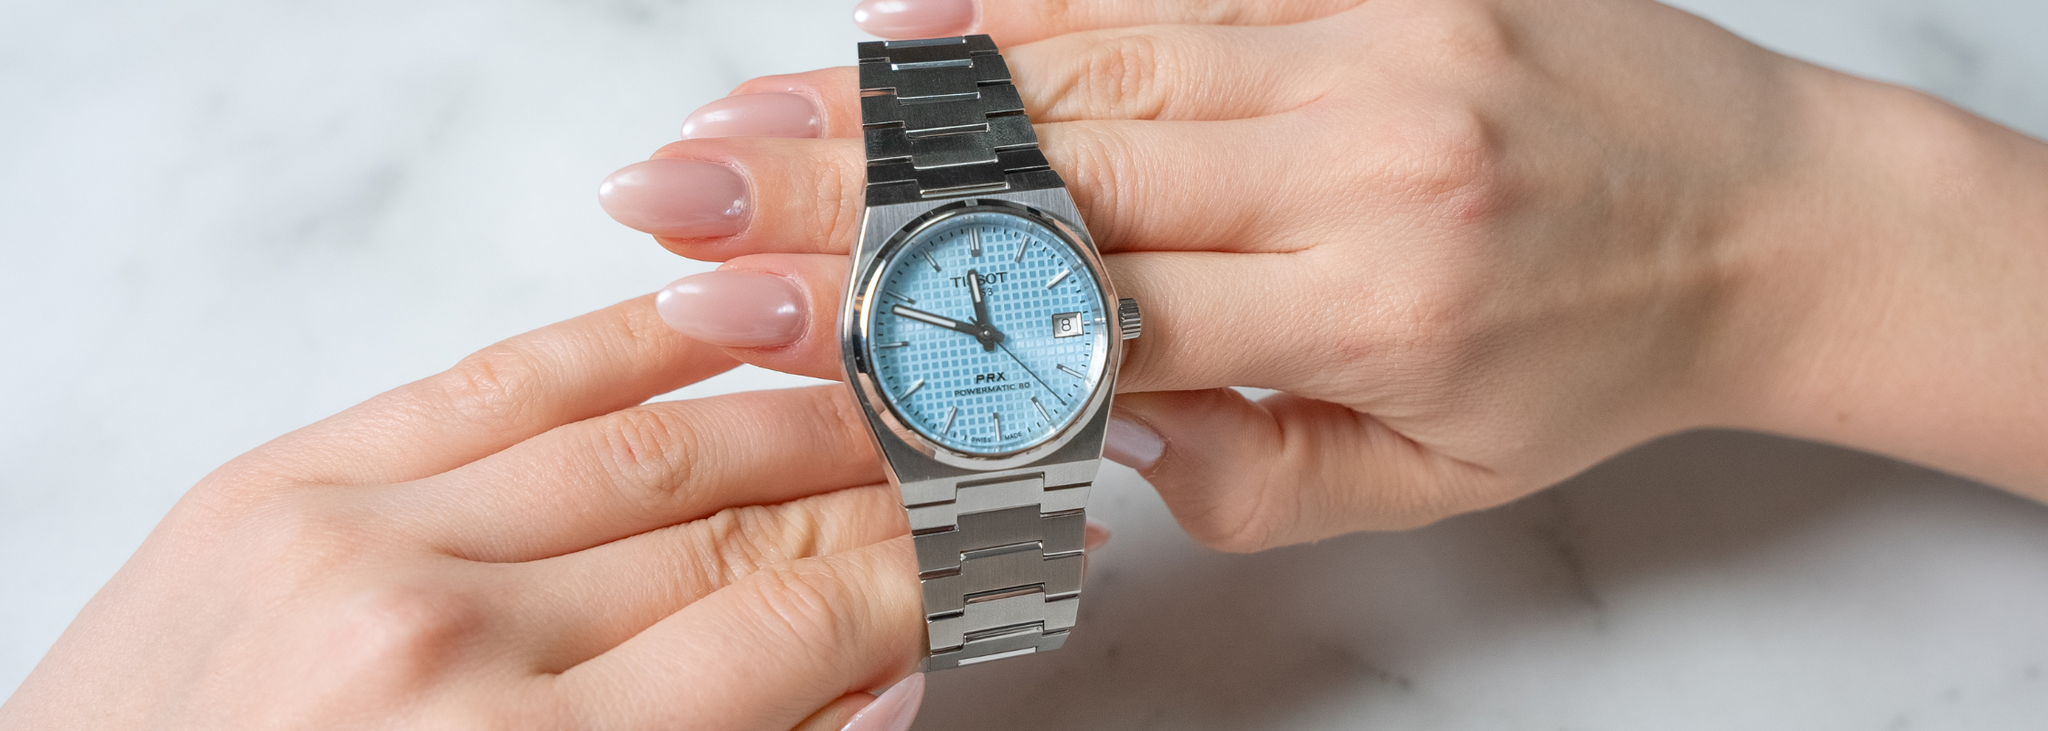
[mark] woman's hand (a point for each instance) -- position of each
(519, 542)
(1479, 245)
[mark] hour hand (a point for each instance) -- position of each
(931, 319)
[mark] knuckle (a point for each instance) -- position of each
(1063, 15)
(225, 498)
(1245, 525)
(1234, 512)
(305, 545)
(1455, 37)
(734, 543)
(806, 601)
(491, 388)
(1460, 149)
(393, 637)
(639, 329)
(1220, 12)
(649, 455)
(835, 407)
(1121, 72)
(1447, 163)
(1242, 535)
(839, 192)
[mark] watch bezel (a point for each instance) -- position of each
(855, 335)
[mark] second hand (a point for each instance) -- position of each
(1034, 375)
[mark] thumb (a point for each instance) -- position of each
(1243, 475)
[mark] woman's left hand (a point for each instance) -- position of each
(1476, 245)
(519, 542)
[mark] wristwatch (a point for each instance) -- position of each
(980, 343)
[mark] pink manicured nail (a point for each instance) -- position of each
(1094, 535)
(734, 308)
(916, 18)
(756, 115)
(1132, 444)
(681, 198)
(893, 710)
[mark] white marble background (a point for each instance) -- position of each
(222, 219)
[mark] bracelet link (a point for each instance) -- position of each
(940, 119)
(1000, 562)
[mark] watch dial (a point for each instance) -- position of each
(986, 333)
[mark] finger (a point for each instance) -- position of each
(1210, 318)
(1166, 72)
(766, 652)
(643, 468)
(724, 306)
(1214, 320)
(499, 396)
(1022, 21)
(603, 596)
(798, 195)
(1178, 72)
(835, 716)
(894, 710)
(1128, 178)
(1244, 476)
(1131, 181)
(834, 110)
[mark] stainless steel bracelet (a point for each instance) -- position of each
(942, 120)
(999, 558)
(998, 552)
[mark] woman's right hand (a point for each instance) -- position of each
(519, 542)
(1479, 245)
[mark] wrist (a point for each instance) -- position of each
(1887, 282)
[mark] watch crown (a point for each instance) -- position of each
(1128, 318)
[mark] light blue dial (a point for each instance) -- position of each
(999, 375)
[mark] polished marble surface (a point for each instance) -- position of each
(223, 219)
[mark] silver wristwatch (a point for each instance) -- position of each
(981, 338)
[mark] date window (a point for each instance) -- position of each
(1066, 324)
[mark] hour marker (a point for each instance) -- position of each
(1041, 409)
(1061, 277)
(948, 431)
(1069, 371)
(974, 241)
(997, 416)
(899, 295)
(887, 346)
(934, 262)
(913, 388)
(1021, 248)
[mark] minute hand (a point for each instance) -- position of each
(931, 319)
(989, 335)
(980, 302)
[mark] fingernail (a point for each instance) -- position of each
(680, 198)
(1132, 444)
(773, 114)
(893, 710)
(734, 308)
(916, 18)
(1093, 536)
